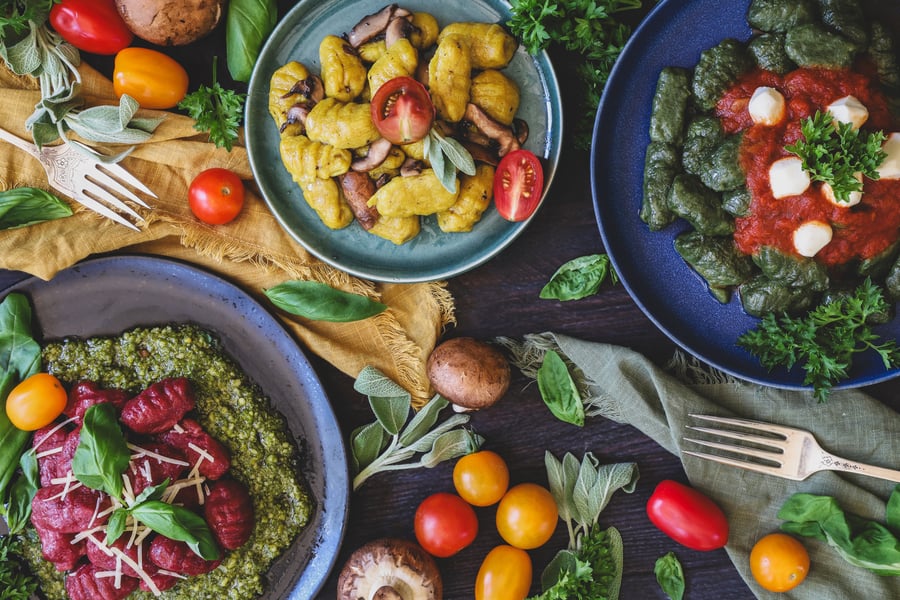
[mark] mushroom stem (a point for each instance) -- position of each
(498, 132)
(387, 592)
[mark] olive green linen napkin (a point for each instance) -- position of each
(628, 388)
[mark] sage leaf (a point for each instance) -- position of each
(670, 575)
(391, 412)
(178, 523)
(457, 154)
(24, 57)
(321, 302)
(115, 526)
(426, 442)
(366, 443)
(20, 207)
(579, 278)
(423, 420)
(450, 445)
(559, 391)
(372, 382)
(587, 504)
(102, 454)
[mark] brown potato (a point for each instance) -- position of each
(469, 373)
(171, 22)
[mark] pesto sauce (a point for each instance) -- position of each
(234, 411)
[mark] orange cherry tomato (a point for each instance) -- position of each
(505, 574)
(152, 78)
(481, 478)
(527, 516)
(36, 402)
(779, 562)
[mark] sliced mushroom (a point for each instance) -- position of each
(502, 135)
(481, 153)
(358, 188)
(296, 114)
(371, 26)
(398, 28)
(310, 88)
(377, 152)
(520, 126)
(411, 167)
(390, 569)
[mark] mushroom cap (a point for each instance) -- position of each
(171, 22)
(390, 568)
(468, 372)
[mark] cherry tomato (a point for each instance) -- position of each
(518, 185)
(36, 402)
(526, 516)
(216, 196)
(687, 516)
(779, 562)
(152, 78)
(445, 524)
(402, 110)
(91, 25)
(505, 574)
(481, 478)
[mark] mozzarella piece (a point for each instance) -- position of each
(811, 237)
(787, 177)
(853, 200)
(890, 168)
(766, 106)
(849, 110)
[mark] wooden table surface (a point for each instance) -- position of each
(501, 298)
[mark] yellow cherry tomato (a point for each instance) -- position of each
(779, 562)
(481, 478)
(36, 402)
(152, 78)
(527, 516)
(505, 574)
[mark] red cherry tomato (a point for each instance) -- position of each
(687, 516)
(518, 185)
(91, 25)
(505, 574)
(402, 110)
(216, 196)
(445, 524)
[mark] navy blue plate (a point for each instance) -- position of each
(672, 295)
(432, 254)
(106, 296)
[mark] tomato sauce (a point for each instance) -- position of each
(861, 231)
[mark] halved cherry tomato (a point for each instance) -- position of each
(36, 402)
(687, 516)
(518, 185)
(779, 562)
(152, 78)
(527, 516)
(91, 25)
(216, 196)
(445, 524)
(481, 478)
(505, 574)
(402, 110)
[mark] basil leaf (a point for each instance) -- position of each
(321, 302)
(559, 391)
(247, 25)
(22, 492)
(366, 443)
(423, 420)
(178, 523)
(115, 526)
(152, 492)
(391, 412)
(20, 207)
(892, 512)
(579, 278)
(450, 445)
(102, 454)
(670, 576)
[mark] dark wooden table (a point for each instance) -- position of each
(501, 298)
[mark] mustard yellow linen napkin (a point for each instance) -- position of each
(626, 387)
(252, 251)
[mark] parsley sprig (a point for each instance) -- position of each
(16, 583)
(836, 152)
(216, 110)
(586, 27)
(825, 340)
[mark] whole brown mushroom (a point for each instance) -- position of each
(390, 569)
(469, 373)
(171, 22)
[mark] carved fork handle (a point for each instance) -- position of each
(836, 463)
(20, 143)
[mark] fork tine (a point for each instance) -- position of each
(97, 207)
(750, 466)
(123, 174)
(742, 450)
(103, 194)
(768, 427)
(744, 437)
(114, 185)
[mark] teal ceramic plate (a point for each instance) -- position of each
(432, 254)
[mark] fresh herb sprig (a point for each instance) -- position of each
(835, 153)
(825, 340)
(585, 27)
(16, 583)
(216, 111)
